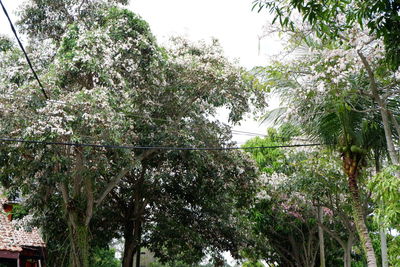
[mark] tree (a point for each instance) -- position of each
(321, 179)
(285, 232)
(330, 19)
(301, 182)
(337, 71)
(83, 109)
(333, 21)
(110, 83)
(202, 216)
(49, 19)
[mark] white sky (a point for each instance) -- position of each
(230, 21)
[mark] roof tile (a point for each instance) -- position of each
(13, 239)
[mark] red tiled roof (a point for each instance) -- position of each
(13, 239)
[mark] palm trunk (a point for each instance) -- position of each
(351, 162)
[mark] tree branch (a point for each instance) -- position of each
(382, 105)
(333, 234)
(121, 174)
(90, 200)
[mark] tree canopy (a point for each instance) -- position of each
(110, 85)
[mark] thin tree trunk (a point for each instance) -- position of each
(382, 230)
(382, 233)
(347, 250)
(321, 238)
(360, 224)
(295, 251)
(345, 245)
(347, 257)
(395, 123)
(383, 109)
(138, 257)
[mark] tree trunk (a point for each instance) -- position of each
(382, 232)
(132, 247)
(347, 258)
(129, 253)
(321, 238)
(79, 237)
(129, 245)
(359, 217)
(295, 252)
(133, 226)
(383, 110)
(351, 165)
(347, 250)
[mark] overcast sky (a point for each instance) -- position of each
(230, 21)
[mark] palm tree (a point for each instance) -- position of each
(341, 123)
(355, 135)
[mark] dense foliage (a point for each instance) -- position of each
(341, 86)
(110, 155)
(111, 84)
(329, 19)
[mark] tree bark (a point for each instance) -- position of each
(134, 221)
(321, 238)
(382, 233)
(383, 109)
(382, 230)
(129, 244)
(350, 162)
(347, 250)
(79, 245)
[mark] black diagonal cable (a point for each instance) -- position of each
(23, 50)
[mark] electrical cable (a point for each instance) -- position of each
(151, 147)
(23, 50)
(233, 131)
(239, 132)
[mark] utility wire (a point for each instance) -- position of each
(170, 148)
(23, 50)
(233, 131)
(239, 132)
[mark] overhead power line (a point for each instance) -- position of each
(23, 50)
(239, 132)
(170, 148)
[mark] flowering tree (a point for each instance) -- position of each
(109, 83)
(337, 99)
(284, 228)
(330, 18)
(304, 190)
(375, 51)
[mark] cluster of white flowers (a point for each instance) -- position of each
(397, 74)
